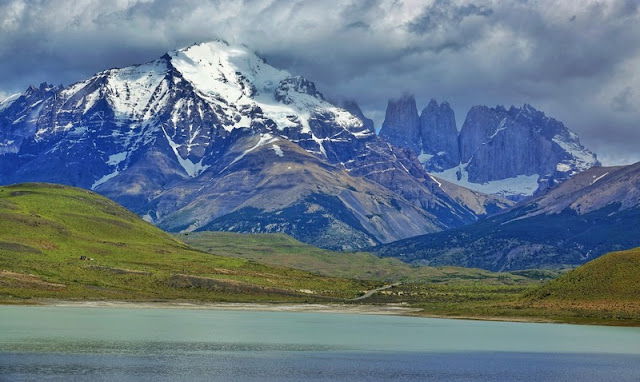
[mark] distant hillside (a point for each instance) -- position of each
(612, 277)
(47, 230)
(594, 212)
(283, 250)
(605, 290)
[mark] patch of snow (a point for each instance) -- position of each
(192, 169)
(424, 157)
(115, 159)
(499, 128)
(435, 180)
(520, 185)
(563, 167)
(104, 179)
(9, 101)
(73, 89)
(137, 91)
(148, 218)
(264, 139)
(595, 179)
(90, 101)
(8, 146)
(583, 158)
(278, 150)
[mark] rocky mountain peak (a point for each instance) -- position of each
(295, 84)
(352, 107)
(401, 123)
(439, 137)
(515, 152)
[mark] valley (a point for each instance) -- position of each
(87, 248)
(231, 180)
(348, 191)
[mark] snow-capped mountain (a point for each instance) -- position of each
(211, 136)
(514, 153)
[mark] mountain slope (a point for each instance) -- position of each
(282, 250)
(46, 228)
(590, 214)
(612, 277)
(179, 140)
(604, 288)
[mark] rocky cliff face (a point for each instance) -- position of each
(211, 136)
(514, 153)
(499, 144)
(439, 137)
(432, 136)
(401, 125)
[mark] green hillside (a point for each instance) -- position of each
(605, 291)
(613, 277)
(45, 230)
(283, 250)
(607, 288)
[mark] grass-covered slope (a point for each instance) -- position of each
(614, 277)
(605, 291)
(283, 250)
(45, 229)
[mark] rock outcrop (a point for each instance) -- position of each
(401, 125)
(438, 137)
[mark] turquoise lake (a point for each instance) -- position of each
(130, 344)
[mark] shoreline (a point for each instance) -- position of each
(331, 308)
(338, 308)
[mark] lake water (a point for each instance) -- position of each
(81, 343)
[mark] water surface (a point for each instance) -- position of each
(80, 343)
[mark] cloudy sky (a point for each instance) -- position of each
(577, 60)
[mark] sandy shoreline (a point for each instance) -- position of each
(391, 309)
(335, 308)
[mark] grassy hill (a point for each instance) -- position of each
(45, 230)
(605, 288)
(613, 277)
(283, 250)
(605, 291)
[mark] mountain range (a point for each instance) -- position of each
(515, 152)
(212, 137)
(594, 212)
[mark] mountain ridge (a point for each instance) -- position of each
(515, 152)
(590, 214)
(163, 138)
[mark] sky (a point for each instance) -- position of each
(576, 60)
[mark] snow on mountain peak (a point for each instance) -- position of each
(5, 103)
(191, 99)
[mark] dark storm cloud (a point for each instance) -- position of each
(623, 101)
(442, 13)
(578, 61)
